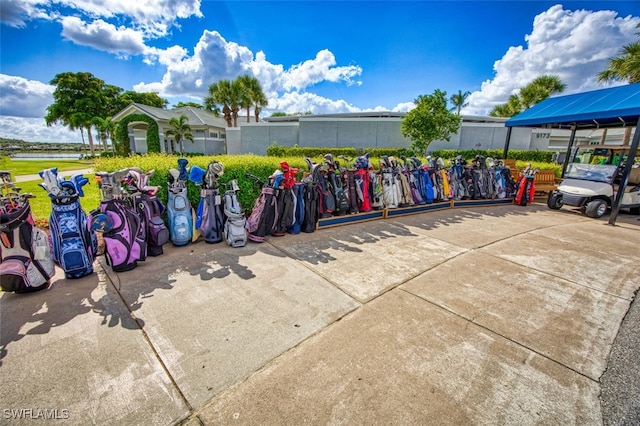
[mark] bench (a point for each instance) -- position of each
(546, 181)
(511, 163)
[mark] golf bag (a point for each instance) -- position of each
(427, 184)
(526, 186)
(25, 257)
(285, 199)
(335, 186)
(310, 197)
(391, 185)
(73, 242)
(363, 181)
(234, 231)
(149, 209)
(499, 178)
(122, 228)
(209, 217)
(261, 221)
(298, 209)
(348, 182)
(179, 211)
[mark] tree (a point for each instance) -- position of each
(78, 97)
(624, 67)
(221, 97)
(188, 104)
(144, 98)
(229, 96)
(180, 130)
(252, 92)
(533, 93)
(430, 120)
(105, 127)
(459, 101)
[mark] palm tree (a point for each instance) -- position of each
(180, 130)
(624, 67)
(253, 96)
(246, 96)
(540, 89)
(225, 95)
(535, 92)
(459, 101)
(104, 126)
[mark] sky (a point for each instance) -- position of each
(318, 56)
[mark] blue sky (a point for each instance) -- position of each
(319, 56)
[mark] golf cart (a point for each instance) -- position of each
(592, 188)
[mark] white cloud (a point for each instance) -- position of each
(15, 13)
(215, 58)
(36, 130)
(321, 68)
(291, 102)
(24, 98)
(153, 17)
(404, 107)
(103, 36)
(574, 45)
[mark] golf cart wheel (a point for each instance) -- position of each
(596, 208)
(635, 210)
(554, 201)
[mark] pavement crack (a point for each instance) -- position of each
(112, 277)
(503, 336)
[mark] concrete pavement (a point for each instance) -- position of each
(484, 315)
(27, 178)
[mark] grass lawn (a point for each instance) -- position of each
(31, 167)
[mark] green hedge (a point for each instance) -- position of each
(314, 152)
(516, 154)
(235, 167)
(121, 134)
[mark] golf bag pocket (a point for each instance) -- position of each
(180, 217)
(25, 260)
(234, 231)
(158, 232)
(123, 247)
(151, 209)
(20, 275)
(73, 244)
(210, 216)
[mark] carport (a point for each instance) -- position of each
(614, 107)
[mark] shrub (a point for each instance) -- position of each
(516, 154)
(280, 151)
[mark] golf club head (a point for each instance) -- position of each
(196, 175)
(174, 175)
(50, 178)
(182, 168)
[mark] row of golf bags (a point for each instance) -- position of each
(330, 189)
(361, 188)
(129, 217)
(130, 213)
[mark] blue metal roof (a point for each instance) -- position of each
(612, 107)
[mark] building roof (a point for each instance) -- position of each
(612, 107)
(374, 114)
(197, 117)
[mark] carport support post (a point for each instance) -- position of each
(615, 209)
(572, 139)
(506, 143)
